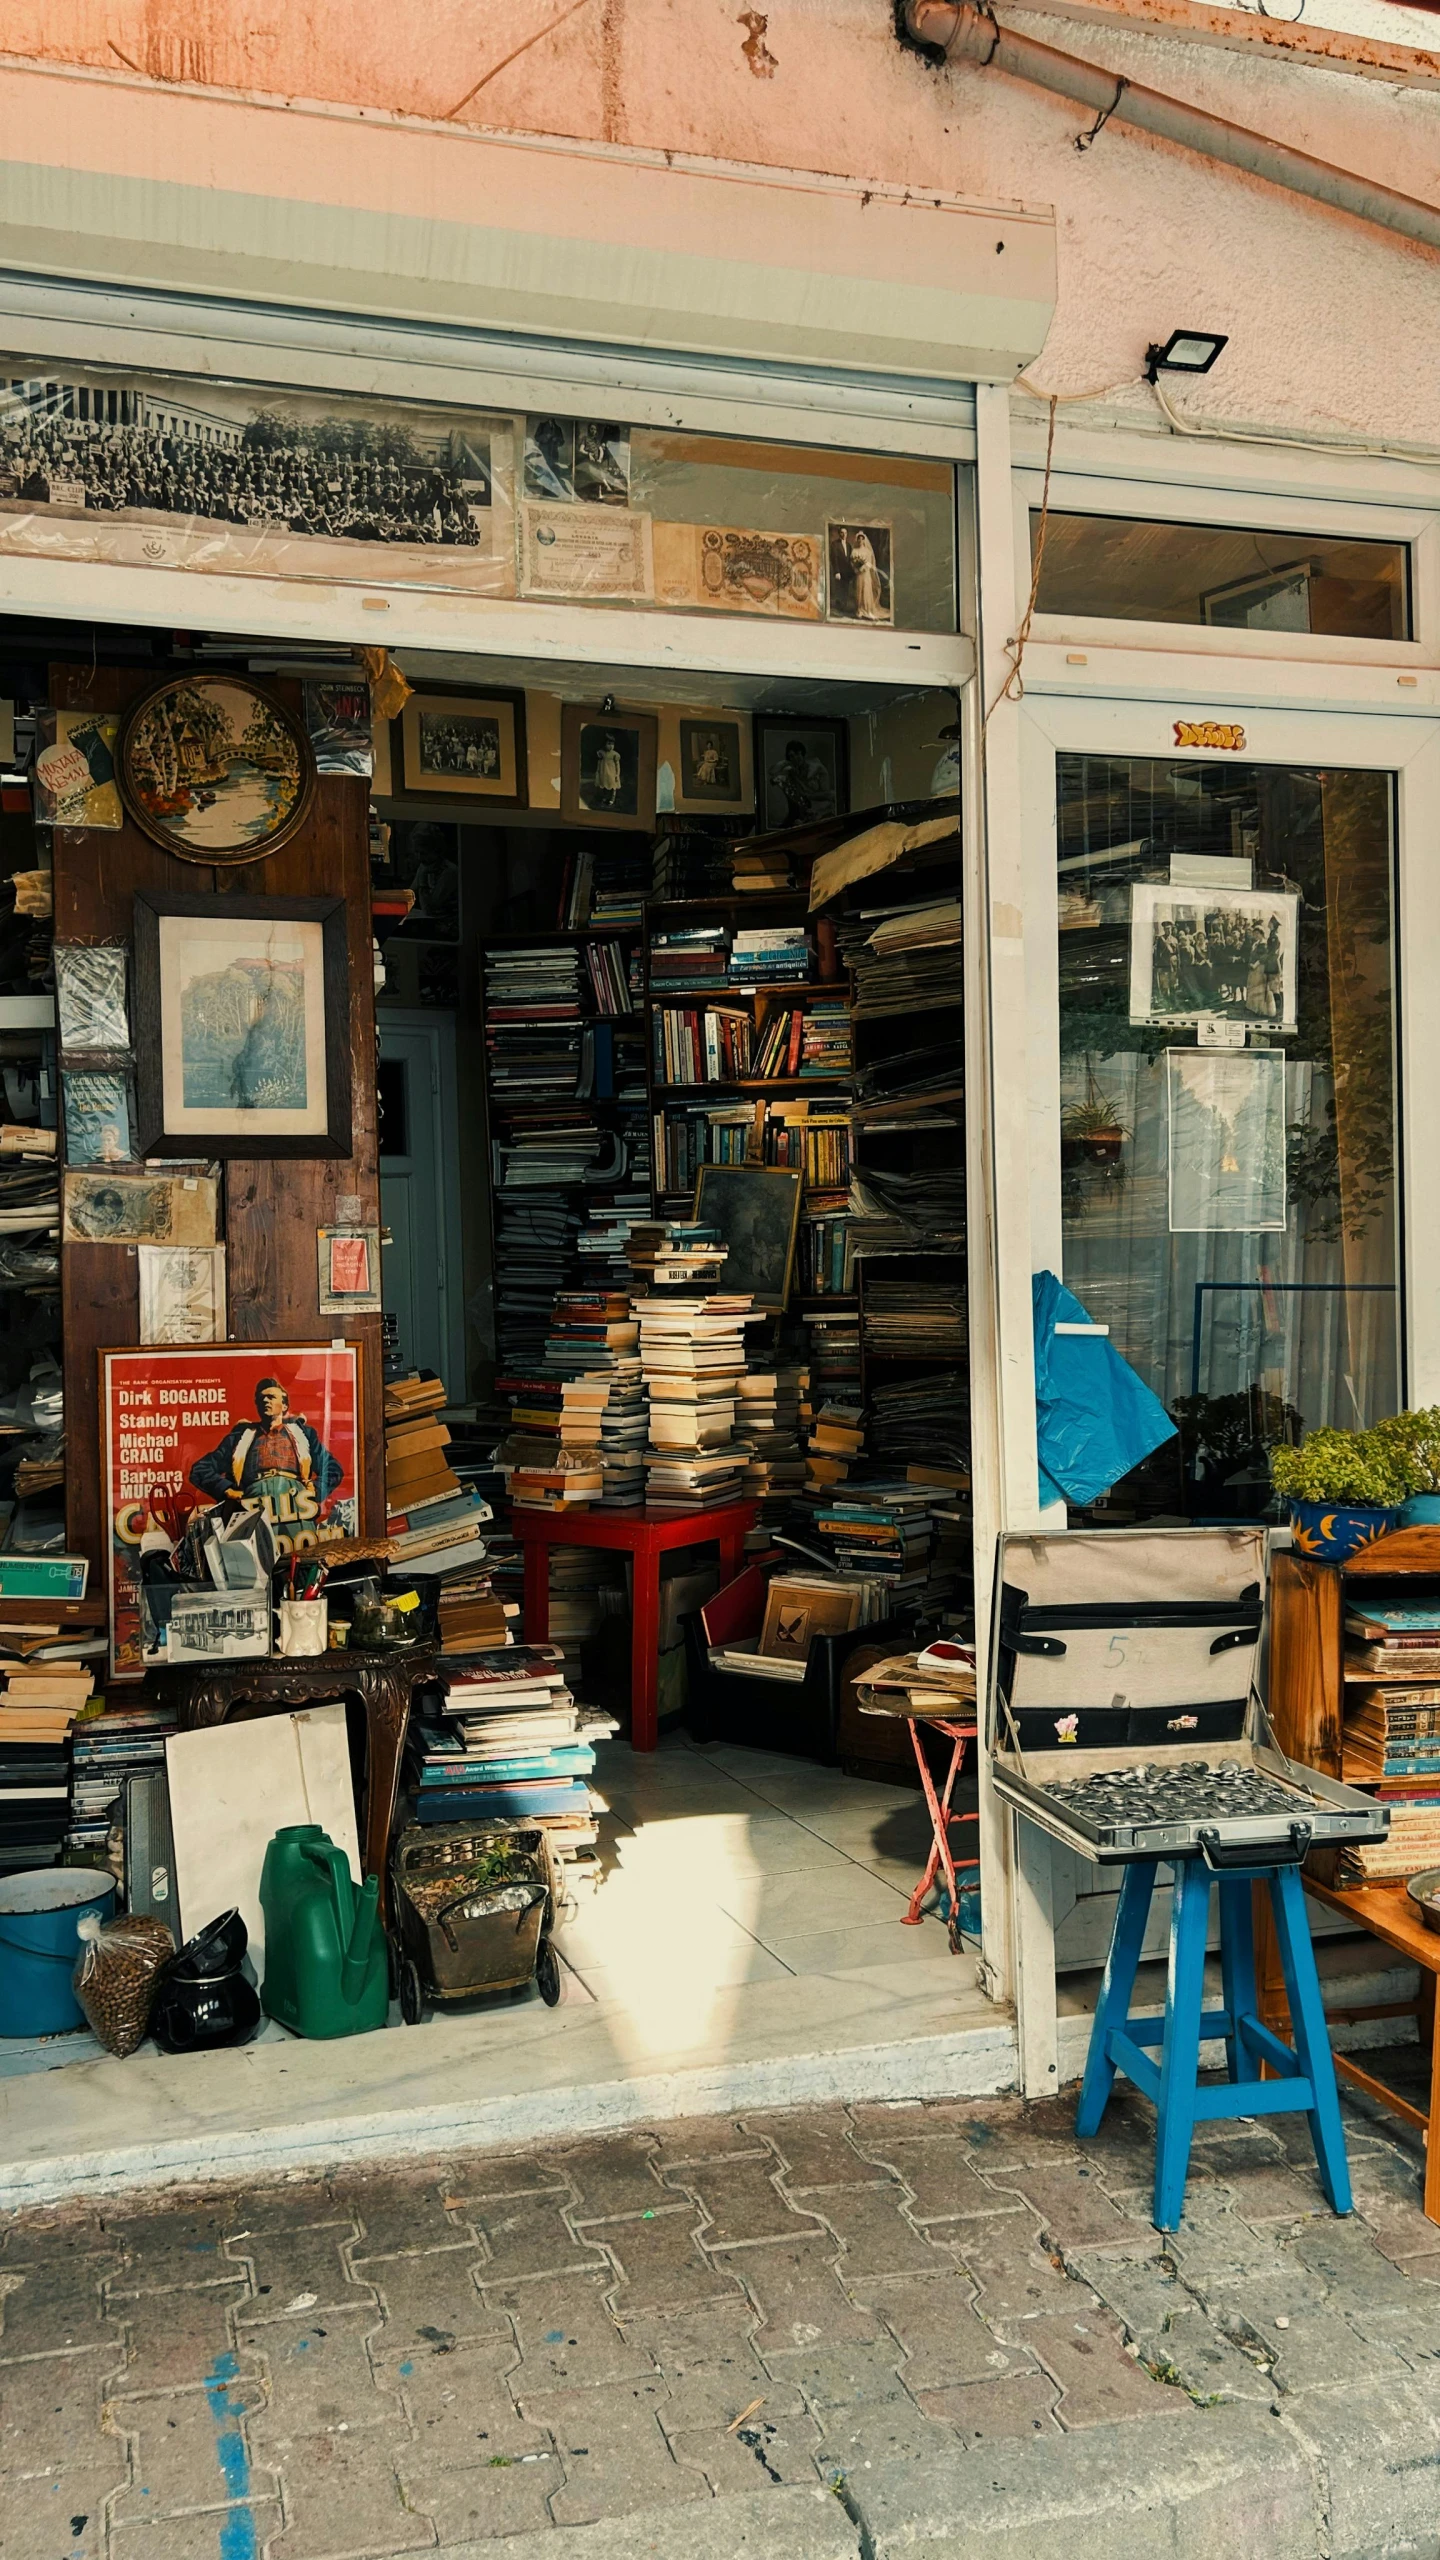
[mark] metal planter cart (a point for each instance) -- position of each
(474, 1909)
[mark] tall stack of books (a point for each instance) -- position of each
(509, 1743)
(534, 1242)
(571, 1478)
(594, 1346)
(39, 1704)
(1391, 1738)
(834, 1441)
(881, 1529)
(770, 955)
(692, 1351)
(767, 1425)
(432, 1519)
(532, 1018)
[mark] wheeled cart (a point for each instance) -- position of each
(474, 1906)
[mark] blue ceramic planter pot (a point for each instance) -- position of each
(1331, 1531)
(1422, 1511)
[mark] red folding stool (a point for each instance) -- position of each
(941, 1817)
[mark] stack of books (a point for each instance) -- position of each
(770, 955)
(532, 1018)
(1391, 1732)
(573, 1477)
(105, 1750)
(594, 1346)
(926, 1420)
(692, 1351)
(534, 1404)
(534, 1247)
(881, 1529)
(1391, 1735)
(473, 1620)
(690, 864)
(602, 885)
(767, 1426)
(834, 1363)
(672, 1253)
(432, 1519)
(609, 976)
(38, 1706)
(509, 1743)
(691, 1047)
(909, 1316)
(690, 960)
(834, 1441)
(1393, 1644)
(826, 1255)
(759, 866)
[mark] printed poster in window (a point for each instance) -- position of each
(1227, 1141)
(275, 1426)
(75, 783)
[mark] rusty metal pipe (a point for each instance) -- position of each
(957, 32)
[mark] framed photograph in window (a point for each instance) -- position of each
(607, 766)
(242, 1026)
(713, 766)
(802, 770)
(457, 746)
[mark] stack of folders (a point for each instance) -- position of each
(914, 1316)
(532, 1018)
(509, 1743)
(1391, 1737)
(534, 1248)
(926, 1419)
(692, 1351)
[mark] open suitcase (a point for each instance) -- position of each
(1122, 1710)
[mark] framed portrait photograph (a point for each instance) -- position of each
(187, 1425)
(547, 468)
(607, 765)
(215, 768)
(243, 1026)
(756, 1208)
(425, 857)
(1226, 1141)
(602, 462)
(713, 764)
(859, 572)
(1225, 955)
(802, 770)
(463, 746)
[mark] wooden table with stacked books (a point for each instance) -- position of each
(1355, 1692)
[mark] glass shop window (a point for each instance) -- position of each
(1228, 1106)
(1129, 569)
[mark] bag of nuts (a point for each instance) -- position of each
(119, 1966)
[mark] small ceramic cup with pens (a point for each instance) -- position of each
(303, 1613)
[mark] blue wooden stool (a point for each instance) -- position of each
(1305, 2081)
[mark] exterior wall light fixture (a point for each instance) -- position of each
(1184, 351)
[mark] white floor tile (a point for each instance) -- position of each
(852, 1950)
(808, 1901)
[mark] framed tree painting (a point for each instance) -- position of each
(216, 768)
(242, 1026)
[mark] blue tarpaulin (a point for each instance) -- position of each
(1095, 1419)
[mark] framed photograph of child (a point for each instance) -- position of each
(713, 766)
(607, 766)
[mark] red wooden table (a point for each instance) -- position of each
(647, 1536)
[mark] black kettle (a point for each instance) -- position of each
(205, 1998)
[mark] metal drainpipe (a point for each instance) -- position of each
(952, 29)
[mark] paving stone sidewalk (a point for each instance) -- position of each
(840, 2334)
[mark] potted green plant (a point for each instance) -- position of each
(1344, 1489)
(1092, 1131)
(1415, 1440)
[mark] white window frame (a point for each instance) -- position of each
(1313, 655)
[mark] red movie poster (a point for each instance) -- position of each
(276, 1424)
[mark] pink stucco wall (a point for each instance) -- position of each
(1332, 322)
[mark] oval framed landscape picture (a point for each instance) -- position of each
(215, 768)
